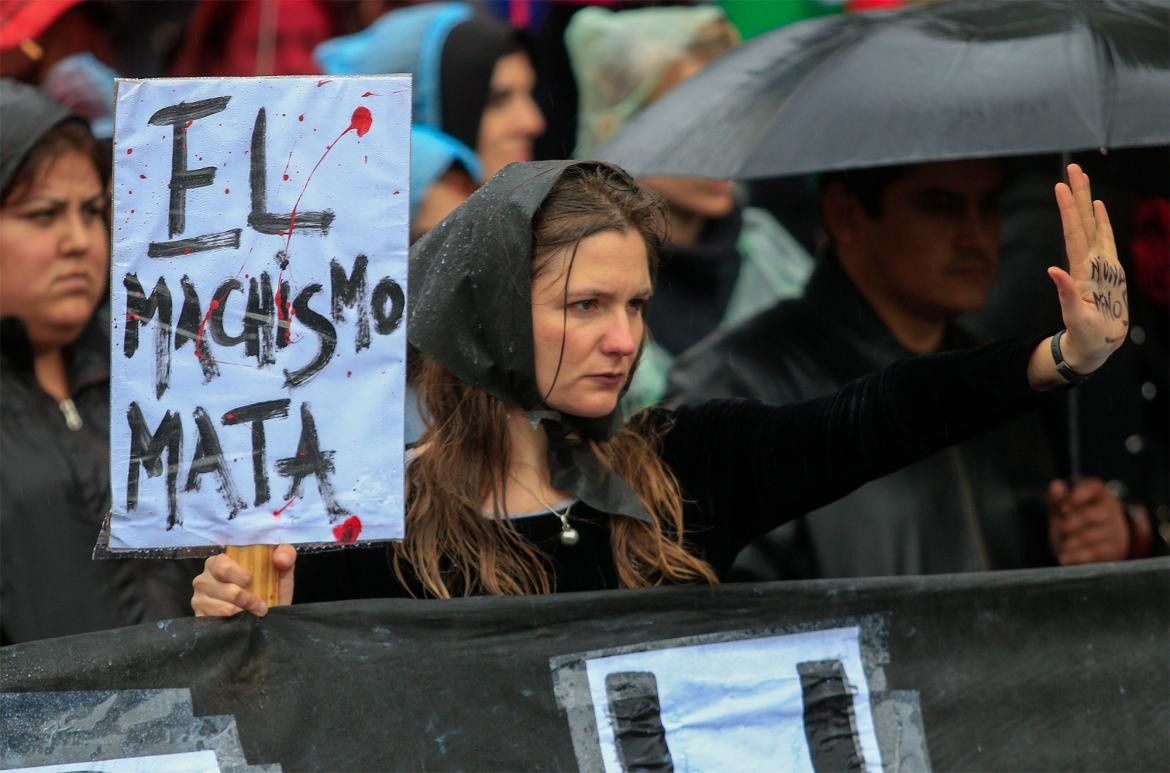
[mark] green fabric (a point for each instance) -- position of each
(752, 17)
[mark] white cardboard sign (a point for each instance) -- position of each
(258, 292)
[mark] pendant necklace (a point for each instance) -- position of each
(569, 535)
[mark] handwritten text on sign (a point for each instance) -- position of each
(258, 293)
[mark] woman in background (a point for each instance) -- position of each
(54, 377)
(472, 76)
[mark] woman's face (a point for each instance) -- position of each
(54, 250)
(511, 121)
(596, 318)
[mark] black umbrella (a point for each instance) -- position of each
(962, 79)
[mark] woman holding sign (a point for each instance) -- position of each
(528, 304)
(54, 378)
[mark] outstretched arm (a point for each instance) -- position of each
(1093, 296)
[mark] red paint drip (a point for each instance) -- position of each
(199, 334)
(371, 94)
(360, 122)
(286, 177)
(322, 83)
(281, 509)
(129, 151)
(347, 532)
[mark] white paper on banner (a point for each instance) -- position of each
(183, 762)
(258, 290)
(737, 705)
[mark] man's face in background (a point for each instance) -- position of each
(934, 244)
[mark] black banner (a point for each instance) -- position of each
(1055, 669)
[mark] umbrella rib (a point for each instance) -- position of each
(839, 53)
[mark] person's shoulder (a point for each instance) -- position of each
(741, 360)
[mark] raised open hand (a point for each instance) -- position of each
(1093, 296)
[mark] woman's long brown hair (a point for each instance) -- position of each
(451, 547)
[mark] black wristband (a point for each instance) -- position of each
(1067, 373)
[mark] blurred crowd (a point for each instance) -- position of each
(778, 290)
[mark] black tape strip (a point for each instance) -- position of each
(829, 725)
(637, 722)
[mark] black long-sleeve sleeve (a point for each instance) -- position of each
(745, 467)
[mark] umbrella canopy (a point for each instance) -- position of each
(963, 79)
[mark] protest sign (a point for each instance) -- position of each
(258, 288)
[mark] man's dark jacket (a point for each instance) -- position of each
(979, 505)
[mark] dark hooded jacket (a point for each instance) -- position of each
(743, 467)
(54, 493)
(54, 473)
(974, 506)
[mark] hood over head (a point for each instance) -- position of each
(470, 309)
(619, 58)
(432, 153)
(27, 114)
(448, 47)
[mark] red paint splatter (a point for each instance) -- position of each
(141, 177)
(322, 83)
(231, 416)
(281, 509)
(371, 94)
(186, 250)
(301, 117)
(227, 190)
(348, 373)
(131, 316)
(397, 192)
(131, 212)
(129, 151)
(188, 124)
(359, 122)
(347, 532)
(199, 334)
(285, 176)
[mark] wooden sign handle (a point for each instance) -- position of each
(257, 559)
